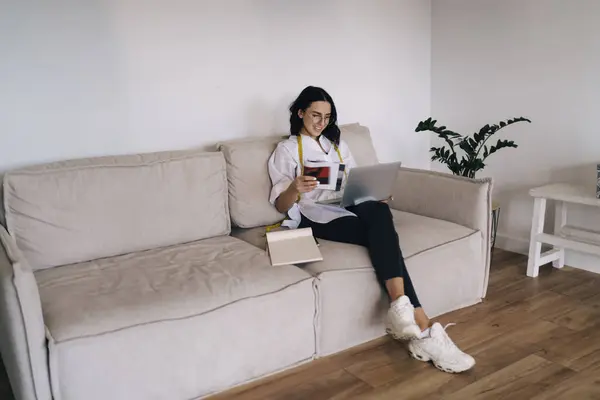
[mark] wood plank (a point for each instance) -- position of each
(578, 318)
(581, 386)
(593, 301)
(381, 365)
(309, 372)
(318, 383)
(576, 350)
(521, 380)
(588, 288)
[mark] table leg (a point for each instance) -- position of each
(560, 220)
(537, 227)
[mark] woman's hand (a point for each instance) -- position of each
(304, 184)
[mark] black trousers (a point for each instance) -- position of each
(374, 229)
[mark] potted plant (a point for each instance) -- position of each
(475, 149)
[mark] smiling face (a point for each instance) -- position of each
(315, 118)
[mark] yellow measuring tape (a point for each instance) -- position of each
(301, 159)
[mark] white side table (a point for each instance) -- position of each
(565, 236)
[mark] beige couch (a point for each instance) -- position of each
(122, 278)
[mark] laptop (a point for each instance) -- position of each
(372, 182)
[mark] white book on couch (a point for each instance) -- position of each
(292, 246)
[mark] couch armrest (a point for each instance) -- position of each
(22, 331)
(464, 201)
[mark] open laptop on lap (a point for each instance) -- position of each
(373, 182)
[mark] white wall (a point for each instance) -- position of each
(95, 77)
(538, 58)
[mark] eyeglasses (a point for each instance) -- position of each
(318, 118)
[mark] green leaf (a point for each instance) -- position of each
(474, 148)
(484, 129)
(464, 144)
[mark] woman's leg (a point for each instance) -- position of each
(433, 343)
(367, 230)
(375, 230)
(384, 248)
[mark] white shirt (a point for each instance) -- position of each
(284, 167)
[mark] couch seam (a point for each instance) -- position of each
(226, 202)
(487, 238)
(108, 332)
(449, 176)
(52, 366)
(269, 138)
(317, 316)
(26, 171)
(25, 327)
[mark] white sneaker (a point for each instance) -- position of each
(401, 320)
(440, 349)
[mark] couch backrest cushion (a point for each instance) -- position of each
(80, 210)
(360, 142)
(249, 182)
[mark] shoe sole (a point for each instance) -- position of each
(407, 335)
(424, 358)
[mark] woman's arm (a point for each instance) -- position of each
(288, 197)
(286, 186)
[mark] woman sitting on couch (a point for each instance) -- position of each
(315, 136)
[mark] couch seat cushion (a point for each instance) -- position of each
(417, 234)
(168, 283)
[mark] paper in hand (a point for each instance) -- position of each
(329, 175)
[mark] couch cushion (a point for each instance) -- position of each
(74, 211)
(359, 140)
(161, 284)
(417, 234)
(444, 259)
(249, 183)
(189, 358)
(353, 305)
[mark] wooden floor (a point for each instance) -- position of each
(532, 339)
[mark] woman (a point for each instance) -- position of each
(315, 136)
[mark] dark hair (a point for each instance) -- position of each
(309, 95)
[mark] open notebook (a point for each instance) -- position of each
(292, 246)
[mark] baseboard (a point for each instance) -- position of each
(515, 245)
(573, 259)
(583, 261)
